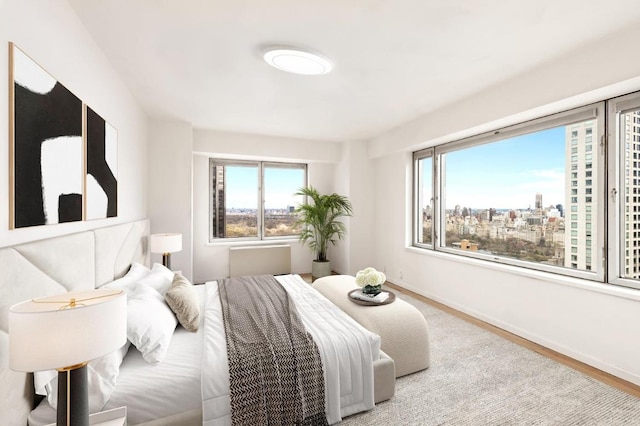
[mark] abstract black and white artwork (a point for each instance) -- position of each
(47, 147)
(102, 162)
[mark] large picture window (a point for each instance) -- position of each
(254, 200)
(529, 195)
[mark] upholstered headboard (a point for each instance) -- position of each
(78, 261)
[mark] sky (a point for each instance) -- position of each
(281, 183)
(508, 174)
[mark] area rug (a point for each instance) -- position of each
(477, 378)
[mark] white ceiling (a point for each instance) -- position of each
(200, 61)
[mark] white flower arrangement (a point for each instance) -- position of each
(369, 276)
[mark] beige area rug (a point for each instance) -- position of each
(478, 378)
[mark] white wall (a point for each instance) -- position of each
(170, 145)
(598, 71)
(51, 34)
(594, 323)
(211, 261)
(354, 178)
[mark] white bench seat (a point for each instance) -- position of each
(402, 328)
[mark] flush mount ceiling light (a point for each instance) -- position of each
(297, 61)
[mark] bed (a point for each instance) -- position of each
(171, 391)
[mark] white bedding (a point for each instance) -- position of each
(346, 348)
(175, 385)
(153, 391)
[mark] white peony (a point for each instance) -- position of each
(369, 276)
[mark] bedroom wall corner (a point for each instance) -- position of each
(52, 35)
(353, 178)
(170, 193)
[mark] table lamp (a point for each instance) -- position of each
(165, 244)
(65, 332)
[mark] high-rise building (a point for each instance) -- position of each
(219, 225)
(581, 212)
(538, 201)
(630, 126)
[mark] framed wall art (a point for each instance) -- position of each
(101, 185)
(45, 146)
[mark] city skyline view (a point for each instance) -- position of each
(529, 197)
(507, 174)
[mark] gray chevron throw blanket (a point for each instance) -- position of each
(275, 368)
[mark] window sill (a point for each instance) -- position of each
(579, 283)
(274, 242)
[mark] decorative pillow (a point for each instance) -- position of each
(183, 301)
(150, 323)
(102, 374)
(159, 278)
(129, 281)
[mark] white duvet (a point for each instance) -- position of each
(346, 348)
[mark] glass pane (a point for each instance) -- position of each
(280, 183)
(425, 235)
(235, 201)
(629, 140)
(508, 198)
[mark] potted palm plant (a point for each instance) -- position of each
(318, 217)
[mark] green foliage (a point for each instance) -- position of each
(319, 220)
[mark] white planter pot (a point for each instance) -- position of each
(320, 269)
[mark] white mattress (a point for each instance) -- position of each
(177, 375)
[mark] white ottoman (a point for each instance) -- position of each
(401, 327)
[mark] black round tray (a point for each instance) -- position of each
(390, 299)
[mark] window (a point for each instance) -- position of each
(254, 200)
(533, 195)
(424, 198)
(502, 196)
(623, 112)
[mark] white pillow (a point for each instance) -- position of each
(129, 281)
(150, 323)
(102, 375)
(159, 279)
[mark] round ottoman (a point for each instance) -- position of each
(401, 327)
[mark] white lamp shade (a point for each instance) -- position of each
(165, 243)
(43, 335)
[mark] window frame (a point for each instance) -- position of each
(260, 206)
(418, 198)
(595, 112)
(617, 178)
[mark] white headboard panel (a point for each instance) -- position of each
(71, 262)
(117, 247)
